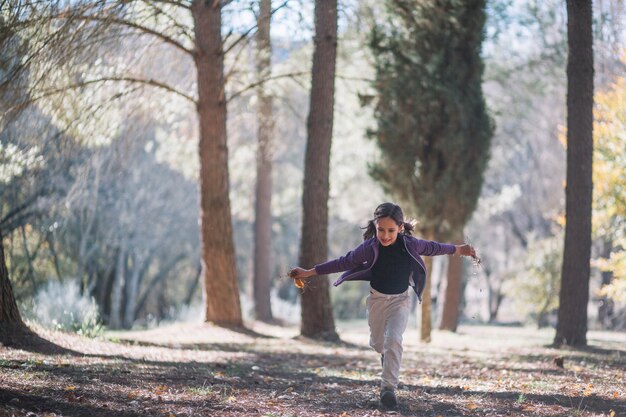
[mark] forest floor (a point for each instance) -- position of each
(201, 370)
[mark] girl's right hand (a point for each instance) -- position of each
(298, 275)
(465, 250)
(298, 272)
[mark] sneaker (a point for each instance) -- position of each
(388, 398)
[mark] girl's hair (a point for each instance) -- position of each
(394, 212)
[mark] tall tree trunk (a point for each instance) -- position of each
(263, 200)
(9, 313)
(426, 319)
(217, 248)
(454, 291)
(317, 318)
(140, 264)
(574, 296)
(426, 310)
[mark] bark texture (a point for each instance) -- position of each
(221, 288)
(263, 192)
(453, 292)
(9, 313)
(426, 319)
(317, 318)
(574, 296)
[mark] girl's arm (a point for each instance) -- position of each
(350, 260)
(432, 248)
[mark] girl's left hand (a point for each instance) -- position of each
(465, 250)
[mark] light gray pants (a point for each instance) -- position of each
(387, 316)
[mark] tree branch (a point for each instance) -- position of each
(138, 27)
(132, 80)
(261, 82)
(175, 23)
(173, 3)
(251, 29)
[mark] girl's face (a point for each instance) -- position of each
(387, 230)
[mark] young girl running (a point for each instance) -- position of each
(389, 258)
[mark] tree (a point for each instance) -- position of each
(574, 294)
(12, 90)
(453, 292)
(9, 313)
(221, 288)
(263, 192)
(317, 318)
(609, 206)
(432, 127)
(74, 30)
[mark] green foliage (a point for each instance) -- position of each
(536, 289)
(432, 126)
(61, 306)
(609, 171)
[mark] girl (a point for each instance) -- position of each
(389, 258)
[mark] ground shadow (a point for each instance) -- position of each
(23, 338)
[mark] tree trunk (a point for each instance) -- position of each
(453, 292)
(217, 247)
(117, 293)
(29, 259)
(494, 296)
(426, 325)
(263, 201)
(574, 296)
(156, 279)
(192, 288)
(140, 264)
(9, 313)
(317, 318)
(607, 306)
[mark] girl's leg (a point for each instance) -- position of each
(397, 309)
(376, 319)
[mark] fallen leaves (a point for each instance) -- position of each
(281, 376)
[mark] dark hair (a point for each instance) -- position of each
(394, 212)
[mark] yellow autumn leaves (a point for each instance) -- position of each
(609, 181)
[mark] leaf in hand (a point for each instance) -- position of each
(298, 282)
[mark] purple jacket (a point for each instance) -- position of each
(359, 261)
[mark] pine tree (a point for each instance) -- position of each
(432, 126)
(571, 327)
(221, 287)
(317, 315)
(263, 190)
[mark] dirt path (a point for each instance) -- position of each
(200, 370)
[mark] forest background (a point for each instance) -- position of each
(99, 191)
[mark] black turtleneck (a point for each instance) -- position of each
(390, 273)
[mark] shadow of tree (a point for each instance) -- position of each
(22, 337)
